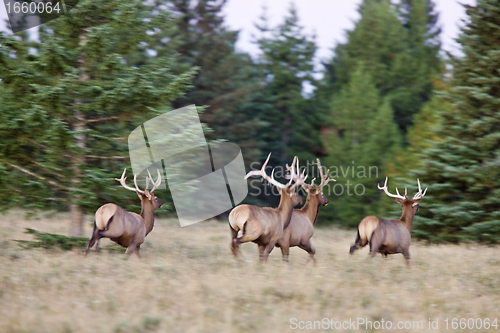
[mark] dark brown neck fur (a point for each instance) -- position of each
(285, 208)
(407, 216)
(311, 207)
(148, 214)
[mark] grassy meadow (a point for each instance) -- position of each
(188, 281)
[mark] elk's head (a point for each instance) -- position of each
(145, 195)
(317, 192)
(403, 200)
(284, 190)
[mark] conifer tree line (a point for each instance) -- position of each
(389, 103)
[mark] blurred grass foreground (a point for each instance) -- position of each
(188, 281)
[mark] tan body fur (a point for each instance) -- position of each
(264, 225)
(301, 227)
(389, 236)
(122, 227)
(366, 228)
(261, 225)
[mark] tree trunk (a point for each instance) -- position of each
(76, 214)
(76, 220)
(78, 160)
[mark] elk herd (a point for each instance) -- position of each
(284, 226)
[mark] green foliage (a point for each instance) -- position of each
(287, 63)
(420, 136)
(376, 86)
(68, 104)
(52, 241)
(227, 83)
(399, 46)
(362, 137)
(462, 167)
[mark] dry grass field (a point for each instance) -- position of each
(188, 281)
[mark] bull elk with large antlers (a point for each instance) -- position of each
(126, 228)
(390, 236)
(301, 227)
(264, 225)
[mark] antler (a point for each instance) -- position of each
(155, 184)
(263, 174)
(291, 169)
(122, 181)
(324, 179)
(137, 189)
(312, 183)
(298, 179)
(397, 196)
(296, 176)
(419, 195)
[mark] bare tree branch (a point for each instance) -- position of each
(37, 176)
(100, 119)
(38, 164)
(38, 143)
(107, 157)
(50, 199)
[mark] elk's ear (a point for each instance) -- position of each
(399, 201)
(415, 203)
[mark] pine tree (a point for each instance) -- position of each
(462, 168)
(362, 137)
(227, 83)
(399, 45)
(377, 39)
(418, 65)
(287, 61)
(420, 136)
(67, 106)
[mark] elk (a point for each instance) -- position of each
(390, 236)
(264, 225)
(126, 228)
(301, 227)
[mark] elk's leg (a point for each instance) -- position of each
(234, 246)
(309, 248)
(243, 239)
(261, 252)
(285, 252)
(358, 243)
(247, 236)
(131, 249)
(95, 238)
(137, 251)
(267, 250)
(406, 254)
(376, 241)
(284, 245)
(237, 242)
